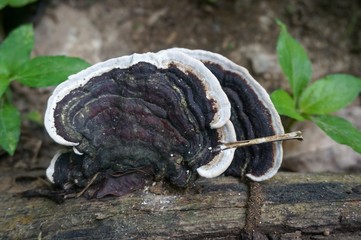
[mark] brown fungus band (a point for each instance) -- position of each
(157, 115)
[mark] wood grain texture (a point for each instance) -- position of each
(289, 206)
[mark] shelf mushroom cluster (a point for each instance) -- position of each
(158, 116)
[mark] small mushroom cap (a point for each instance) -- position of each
(65, 169)
(51, 169)
(59, 168)
(238, 83)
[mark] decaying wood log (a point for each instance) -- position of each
(289, 206)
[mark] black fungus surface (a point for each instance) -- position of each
(251, 119)
(139, 117)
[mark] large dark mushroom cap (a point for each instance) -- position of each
(160, 111)
(157, 115)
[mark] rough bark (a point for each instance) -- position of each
(289, 206)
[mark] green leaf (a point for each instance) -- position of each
(339, 130)
(16, 48)
(285, 104)
(19, 3)
(330, 94)
(3, 3)
(295, 64)
(9, 128)
(49, 71)
(15, 3)
(4, 84)
(4, 71)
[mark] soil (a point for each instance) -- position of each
(242, 30)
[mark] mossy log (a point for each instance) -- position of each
(289, 206)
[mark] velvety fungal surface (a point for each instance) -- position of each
(147, 117)
(252, 114)
(138, 117)
(251, 119)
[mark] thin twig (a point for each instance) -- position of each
(282, 137)
(88, 185)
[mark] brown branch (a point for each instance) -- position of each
(288, 206)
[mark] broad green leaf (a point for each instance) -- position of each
(285, 104)
(16, 48)
(19, 3)
(294, 61)
(4, 71)
(49, 71)
(15, 3)
(9, 128)
(339, 130)
(3, 3)
(330, 94)
(4, 84)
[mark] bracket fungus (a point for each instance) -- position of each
(158, 116)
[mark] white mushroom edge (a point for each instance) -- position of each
(223, 159)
